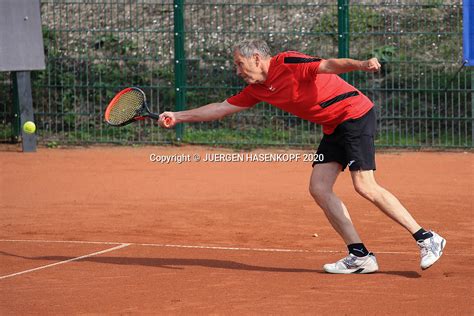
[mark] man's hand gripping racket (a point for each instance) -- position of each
(129, 105)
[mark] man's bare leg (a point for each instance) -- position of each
(365, 184)
(321, 188)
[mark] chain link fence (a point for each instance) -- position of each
(179, 53)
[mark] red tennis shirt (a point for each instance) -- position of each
(294, 85)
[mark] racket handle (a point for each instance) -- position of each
(167, 121)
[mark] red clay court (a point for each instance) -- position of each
(103, 230)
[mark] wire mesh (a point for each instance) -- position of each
(95, 48)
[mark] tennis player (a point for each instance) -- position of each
(310, 88)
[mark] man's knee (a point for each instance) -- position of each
(319, 190)
(370, 191)
(322, 180)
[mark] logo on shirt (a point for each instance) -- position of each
(271, 88)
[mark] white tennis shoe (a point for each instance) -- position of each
(353, 264)
(431, 250)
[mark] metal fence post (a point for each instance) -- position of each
(16, 129)
(24, 103)
(179, 62)
(343, 31)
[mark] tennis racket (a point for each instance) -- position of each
(128, 106)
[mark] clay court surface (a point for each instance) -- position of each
(103, 230)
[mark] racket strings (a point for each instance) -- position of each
(125, 108)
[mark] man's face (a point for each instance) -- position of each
(248, 68)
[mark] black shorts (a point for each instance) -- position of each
(351, 144)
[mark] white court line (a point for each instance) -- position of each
(223, 248)
(65, 261)
(65, 241)
(155, 245)
(214, 247)
(192, 246)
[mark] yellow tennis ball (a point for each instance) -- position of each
(29, 127)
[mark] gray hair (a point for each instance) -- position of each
(251, 46)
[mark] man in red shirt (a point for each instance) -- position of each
(310, 88)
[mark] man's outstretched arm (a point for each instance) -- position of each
(342, 65)
(209, 112)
